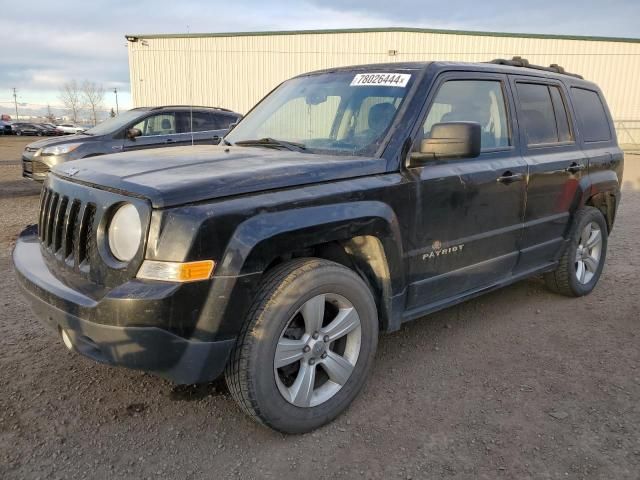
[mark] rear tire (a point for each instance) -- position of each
(312, 321)
(581, 265)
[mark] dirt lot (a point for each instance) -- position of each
(520, 383)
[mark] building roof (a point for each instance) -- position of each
(136, 36)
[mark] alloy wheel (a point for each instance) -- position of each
(317, 350)
(588, 253)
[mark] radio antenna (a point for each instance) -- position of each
(190, 84)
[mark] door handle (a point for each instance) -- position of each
(575, 167)
(169, 140)
(510, 177)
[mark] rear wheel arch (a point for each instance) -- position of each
(606, 202)
(586, 244)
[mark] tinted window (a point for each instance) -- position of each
(203, 121)
(208, 121)
(562, 120)
(478, 101)
(591, 115)
(161, 124)
(537, 115)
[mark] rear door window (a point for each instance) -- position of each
(543, 114)
(204, 121)
(594, 124)
(536, 113)
(562, 119)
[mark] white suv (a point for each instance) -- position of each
(68, 128)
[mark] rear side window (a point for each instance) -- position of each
(591, 114)
(543, 114)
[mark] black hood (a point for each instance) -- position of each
(48, 142)
(178, 175)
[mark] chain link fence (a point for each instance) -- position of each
(628, 134)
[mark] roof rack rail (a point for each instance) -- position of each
(523, 62)
(193, 106)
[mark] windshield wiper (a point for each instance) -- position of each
(272, 142)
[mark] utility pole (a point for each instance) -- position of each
(115, 90)
(15, 101)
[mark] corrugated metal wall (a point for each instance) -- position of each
(237, 71)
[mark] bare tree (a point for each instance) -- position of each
(93, 95)
(71, 98)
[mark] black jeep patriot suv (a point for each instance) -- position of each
(347, 202)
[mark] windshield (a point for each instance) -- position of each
(343, 113)
(112, 125)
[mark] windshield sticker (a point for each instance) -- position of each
(382, 79)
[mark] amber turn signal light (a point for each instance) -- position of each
(176, 271)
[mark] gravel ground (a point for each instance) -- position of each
(520, 383)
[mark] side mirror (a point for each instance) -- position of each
(449, 140)
(132, 133)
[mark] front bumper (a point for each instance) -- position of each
(35, 168)
(147, 348)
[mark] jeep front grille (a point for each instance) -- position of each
(65, 227)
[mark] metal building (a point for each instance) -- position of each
(235, 70)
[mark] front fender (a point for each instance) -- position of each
(262, 238)
(258, 240)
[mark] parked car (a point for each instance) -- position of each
(50, 129)
(42, 130)
(21, 128)
(5, 128)
(347, 202)
(70, 128)
(140, 128)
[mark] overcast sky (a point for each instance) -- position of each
(46, 43)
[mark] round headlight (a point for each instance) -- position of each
(125, 232)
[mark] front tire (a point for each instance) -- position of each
(581, 265)
(307, 346)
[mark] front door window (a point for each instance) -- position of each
(161, 124)
(480, 101)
